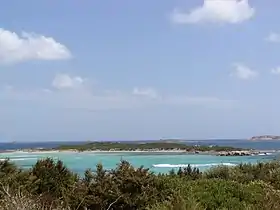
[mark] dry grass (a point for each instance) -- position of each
(22, 201)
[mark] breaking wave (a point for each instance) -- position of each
(23, 156)
(19, 159)
(264, 154)
(192, 165)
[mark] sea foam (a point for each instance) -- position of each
(18, 159)
(192, 165)
(264, 154)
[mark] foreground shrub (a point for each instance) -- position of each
(50, 185)
(221, 194)
(125, 187)
(52, 181)
(177, 203)
(13, 177)
(245, 173)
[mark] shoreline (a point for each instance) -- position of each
(175, 151)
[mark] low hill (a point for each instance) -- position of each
(265, 137)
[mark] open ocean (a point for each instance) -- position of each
(162, 162)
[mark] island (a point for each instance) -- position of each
(151, 146)
(265, 137)
(157, 147)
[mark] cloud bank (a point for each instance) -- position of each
(72, 92)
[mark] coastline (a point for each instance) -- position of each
(174, 151)
(142, 148)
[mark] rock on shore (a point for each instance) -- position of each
(238, 153)
(265, 137)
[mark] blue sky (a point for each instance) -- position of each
(113, 70)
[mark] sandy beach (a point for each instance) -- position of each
(175, 151)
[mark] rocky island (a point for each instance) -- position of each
(265, 137)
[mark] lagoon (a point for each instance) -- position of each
(157, 162)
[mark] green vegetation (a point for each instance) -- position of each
(106, 146)
(50, 185)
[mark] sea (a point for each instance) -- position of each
(156, 162)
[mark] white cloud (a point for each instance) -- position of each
(276, 70)
(15, 48)
(149, 92)
(243, 72)
(62, 81)
(273, 37)
(88, 100)
(216, 11)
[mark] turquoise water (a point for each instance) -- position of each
(162, 162)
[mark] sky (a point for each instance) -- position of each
(139, 70)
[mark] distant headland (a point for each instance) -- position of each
(265, 137)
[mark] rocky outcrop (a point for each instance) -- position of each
(265, 137)
(238, 153)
